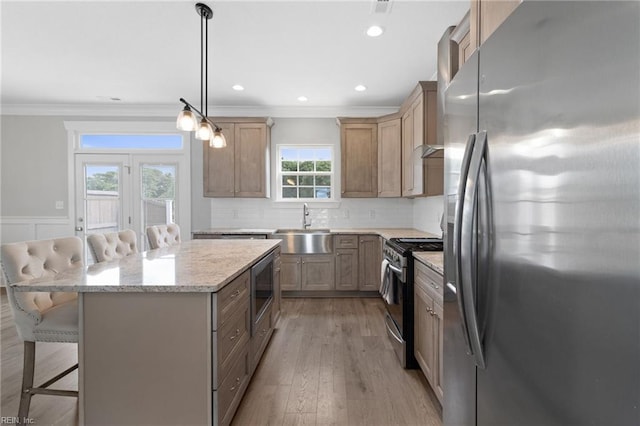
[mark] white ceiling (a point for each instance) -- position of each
(147, 53)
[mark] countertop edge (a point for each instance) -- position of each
(435, 265)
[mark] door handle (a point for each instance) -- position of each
(457, 239)
(468, 241)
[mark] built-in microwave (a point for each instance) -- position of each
(261, 289)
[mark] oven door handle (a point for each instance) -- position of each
(388, 318)
(395, 269)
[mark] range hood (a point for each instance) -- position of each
(427, 150)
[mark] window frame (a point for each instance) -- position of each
(279, 173)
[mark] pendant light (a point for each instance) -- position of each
(187, 120)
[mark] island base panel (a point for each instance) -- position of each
(145, 358)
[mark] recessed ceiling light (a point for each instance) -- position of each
(237, 87)
(360, 88)
(303, 98)
(374, 31)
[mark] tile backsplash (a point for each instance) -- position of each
(421, 213)
(351, 213)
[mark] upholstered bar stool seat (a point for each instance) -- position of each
(41, 316)
(113, 245)
(163, 235)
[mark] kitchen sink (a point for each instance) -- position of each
(304, 241)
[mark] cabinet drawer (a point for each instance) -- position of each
(231, 297)
(231, 338)
(262, 333)
(227, 398)
(429, 280)
(345, 241)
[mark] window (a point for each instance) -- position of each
(305, 172)
(119, 142)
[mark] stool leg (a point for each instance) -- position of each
(28, 367)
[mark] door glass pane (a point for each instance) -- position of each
(120, 142)
(102, 198)
(158, 194)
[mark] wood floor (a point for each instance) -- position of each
(329, 362)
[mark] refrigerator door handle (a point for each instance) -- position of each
(457, 238)
(468, 241)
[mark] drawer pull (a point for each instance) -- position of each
(235, 294)
(236, 335)
(263, 332)
(234, 387)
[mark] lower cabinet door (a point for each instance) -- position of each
(229, 394)
(318, 272)
(290, 272)
(347, 269)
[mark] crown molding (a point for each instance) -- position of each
(139, 110)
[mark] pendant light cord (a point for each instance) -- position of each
(202, 18)
(206, 68)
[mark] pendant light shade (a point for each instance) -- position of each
(187, 120)
(205, 131)
(218, 140)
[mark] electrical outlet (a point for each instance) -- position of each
(235, 213)
(345, 214)
(59, 205)
(372, 214)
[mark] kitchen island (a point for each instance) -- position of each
(165, 335)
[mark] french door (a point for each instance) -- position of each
(129, 191)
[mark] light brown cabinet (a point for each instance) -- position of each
(359, 156)
(428, 321)
(486, 16)
(231, 332)
(241, 168)
(290, 272)
(318, 272)
(369, 261)
(389, 157)
(346, 247)
(419, 124)
(310, 272)
(347, 269)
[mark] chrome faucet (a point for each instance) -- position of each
(305, 215)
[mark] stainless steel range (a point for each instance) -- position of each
(397, 292)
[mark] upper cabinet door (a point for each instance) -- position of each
(486, 16)
(359, 143)
(241, 168)
(419, 126)
(250, 155)
(219, 165)
(390, 158)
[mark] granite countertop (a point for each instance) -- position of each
(385, 233)
(192, 266)
(434, 260)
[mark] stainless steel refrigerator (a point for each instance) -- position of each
(542, 243)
